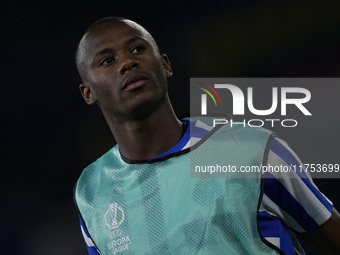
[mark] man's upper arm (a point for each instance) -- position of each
(91, 247)
(325, 235)
(325, 238)
(298, 202)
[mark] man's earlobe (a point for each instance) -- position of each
(87, 94)
(166, 65)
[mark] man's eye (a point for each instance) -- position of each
(107, 61)
(138, 49)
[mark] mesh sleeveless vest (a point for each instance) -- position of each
(156, 207)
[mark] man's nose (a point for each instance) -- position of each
(127, 63)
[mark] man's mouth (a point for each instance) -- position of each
(134, 81)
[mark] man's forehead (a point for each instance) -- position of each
(114, 30)
(102, 35)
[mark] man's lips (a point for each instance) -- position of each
(134, 81)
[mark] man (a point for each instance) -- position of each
(139, 198)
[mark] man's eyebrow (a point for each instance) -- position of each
(133, 39)
(109, 50)
(102, 52)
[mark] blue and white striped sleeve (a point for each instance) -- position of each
(292, 196)
(91, 247)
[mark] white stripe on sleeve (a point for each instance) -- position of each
(88, 240)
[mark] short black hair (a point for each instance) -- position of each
(103, 21)
(80, 68)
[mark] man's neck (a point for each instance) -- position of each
(149, 137)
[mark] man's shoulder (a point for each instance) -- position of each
(106, 160)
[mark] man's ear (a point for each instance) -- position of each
(87, 93)
(166, 65)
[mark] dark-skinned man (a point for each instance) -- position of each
(139, 198)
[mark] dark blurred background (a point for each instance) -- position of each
(49, 134)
